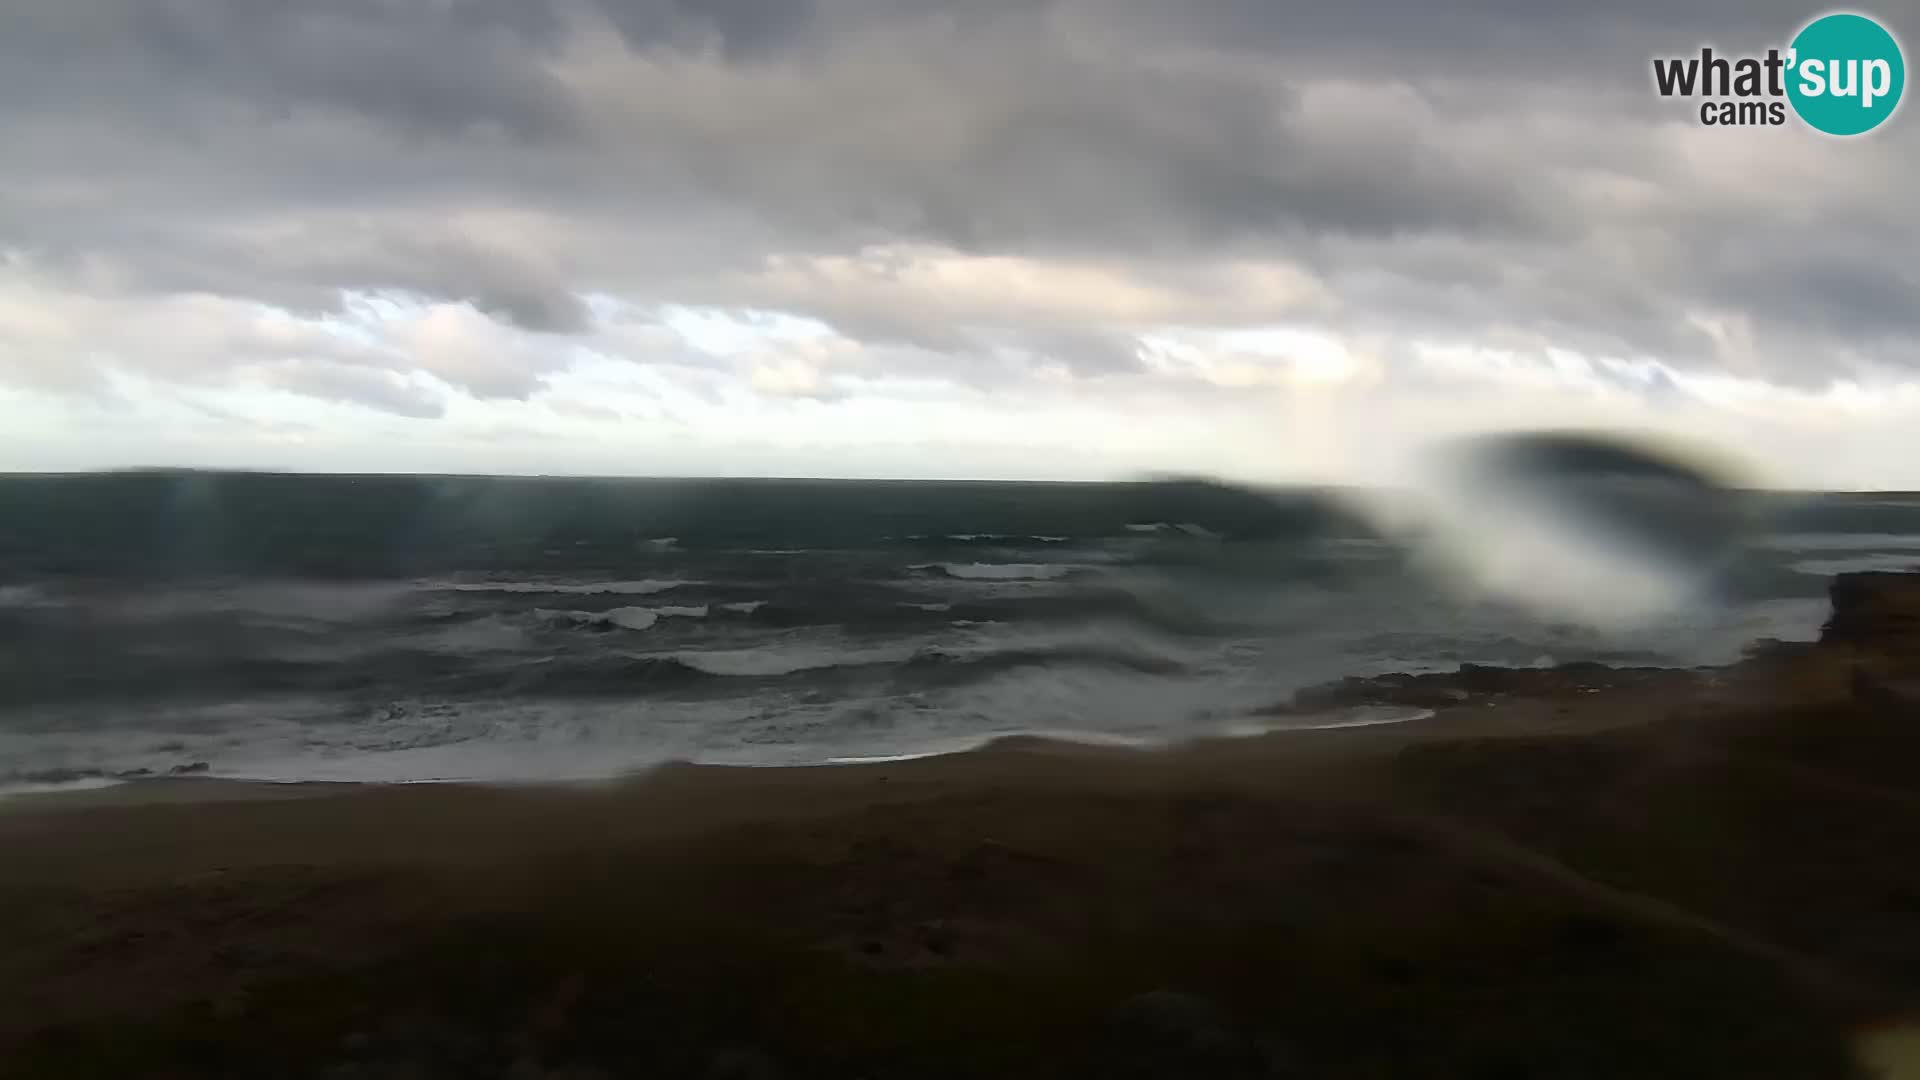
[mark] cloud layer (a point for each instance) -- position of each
(421, 208)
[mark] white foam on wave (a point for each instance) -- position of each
(1352, 718)
(1001, 571)
(91, 783)
(276, 742)
(1841, 542)
(978, 742)
(805, 651)
(1902, 561)
(1183, 528)
(1361, 716)
(789, 658)
(589, 588)
(974, 538)
(23, 596)
(744, 607)
(926, 607)
(627, 618)
(957, 746)
(632, 618)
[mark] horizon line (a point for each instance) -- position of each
(126, 470)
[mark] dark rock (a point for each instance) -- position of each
(1470, 682)
(1484, 678)
(1767, 648)
(1879, 610)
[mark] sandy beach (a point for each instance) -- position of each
(1565, 872)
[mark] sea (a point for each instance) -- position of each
(282, 627)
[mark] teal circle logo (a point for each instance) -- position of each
(1845, 74)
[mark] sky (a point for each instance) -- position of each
(1034, 239)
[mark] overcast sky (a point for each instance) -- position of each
(1009, 238)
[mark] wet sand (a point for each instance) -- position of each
(1567, 873)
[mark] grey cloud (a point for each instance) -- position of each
(555, 311)
(444, 265)
(382, 391)
(1466, 170)
(740, 29)
(987, 133)
(1089, 353)
(421, 69)
(1538, 40)
(1833, 293)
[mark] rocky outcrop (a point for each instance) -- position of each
(1879, 611)
(1874, 631)
(1869, 651)
(1472, 682)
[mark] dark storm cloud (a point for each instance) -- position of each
(421, 68)
(880, 117)
(1466, 170)
(1835, 292)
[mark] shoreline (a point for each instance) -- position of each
(1695, 872)
(93, 790)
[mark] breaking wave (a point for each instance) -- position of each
(1000, 571)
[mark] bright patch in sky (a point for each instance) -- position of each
(729, 332)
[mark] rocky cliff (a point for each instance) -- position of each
(1869, 650)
